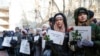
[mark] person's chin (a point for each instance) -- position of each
(59, 26)
(83, 21)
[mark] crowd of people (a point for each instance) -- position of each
(82, 17)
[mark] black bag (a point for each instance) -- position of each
(13, 42)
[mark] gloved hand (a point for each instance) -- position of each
(73, 42)
(87, 43)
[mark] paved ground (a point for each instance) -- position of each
(3, 53)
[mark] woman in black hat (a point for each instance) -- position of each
(82, 18)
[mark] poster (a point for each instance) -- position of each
(6, 41)
(43, 44)
(36, 38)
(57, 37)
(15, 38)
(85, 32)
(25, 47)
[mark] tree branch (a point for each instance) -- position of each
(63, 6)
(56, 5)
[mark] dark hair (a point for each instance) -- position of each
(17, 28)
(64, 19)
(98, 23)
(51, 19)
(91, 14)
(94, 20)
(8, 33)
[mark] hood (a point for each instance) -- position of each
(78, 11)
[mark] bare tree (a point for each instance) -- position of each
(90, 4)
(38, 14)
(46, 17)
(56, 5)
(64, 6)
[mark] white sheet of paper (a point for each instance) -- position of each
(36, 38)
(85, 32)
(15, 38)
(6, 41)
(25, 47)
(70, 36)
(57, 37)
(43, 44)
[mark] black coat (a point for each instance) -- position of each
(58, 50)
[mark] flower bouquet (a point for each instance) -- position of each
(47, 38)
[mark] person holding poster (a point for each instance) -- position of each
(60, 25)
(18, 36)
(7, 39)
(38, 43)
(87, 48)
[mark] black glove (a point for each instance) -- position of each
(73, 42)
(87, 43)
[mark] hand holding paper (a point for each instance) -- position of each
(57, 37)
(83, 31)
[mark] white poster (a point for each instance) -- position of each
(25, 47)
(85, 32)
(43, 44)
(57, 37)
(36, 38)
(15, 38)
(6, 41)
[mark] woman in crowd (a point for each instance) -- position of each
(60, 25)
(87, 48)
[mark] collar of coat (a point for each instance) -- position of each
(87, 23)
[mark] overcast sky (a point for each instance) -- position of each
(4, 3)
